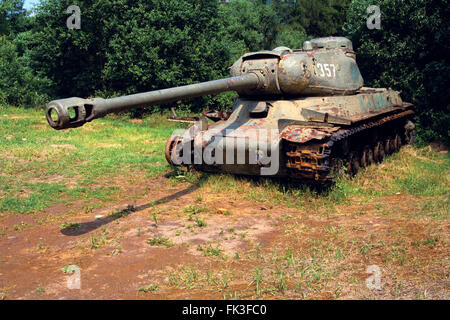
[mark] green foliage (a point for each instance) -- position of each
(409, 53)
(150, 287)
(291, 37)
(19, 84)
(161, 44)
(159, 241)
(248, 26)
(72, 59)
(319, 18)
(12, 16)
(126, 46)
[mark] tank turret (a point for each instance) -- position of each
(325, 70)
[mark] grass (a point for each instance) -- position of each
(258, 278)
(96, 242)
(417, 172)
(69, 268)
(200, 222)
(195, 277)
(194, 209)
(42, 167)
(210, 251)
(159, 241)
(70, 225)
(150, 287)
(394, 214)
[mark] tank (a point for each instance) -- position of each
(301, 114)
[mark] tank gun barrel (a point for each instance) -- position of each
(74, 112)
(326, 66)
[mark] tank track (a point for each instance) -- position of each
(348, 149)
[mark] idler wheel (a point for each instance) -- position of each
(173, 142)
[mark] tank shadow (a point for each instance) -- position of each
(87, 227)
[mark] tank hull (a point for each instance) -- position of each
(309, 138)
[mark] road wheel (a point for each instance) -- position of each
(337, 167)
(353, 163)
(378, 152)
(397, 142)
(388, 146)
(366, 157)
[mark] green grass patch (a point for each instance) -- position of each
(159, 241)
(42, 167)
(150, 287)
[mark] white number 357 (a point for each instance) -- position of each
(326, 70)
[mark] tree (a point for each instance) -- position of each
(249, 25)
(161, 44)
(12, 16)
(19, 84)
(319, 18)
(411, 53)
(127, 46)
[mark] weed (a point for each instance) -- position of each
(187, 277)
(194, 209)
(40, 289)
(432, 241)
(200, 222)
(69, 268)
(95, 242)
(209, 251)
(159, 241)
(155, 218)
(21, 226)
(231, 296)
(258, 279)
(150, 287)
(125, 212)
(282, 283)
(70, 225)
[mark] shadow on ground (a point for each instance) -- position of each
(87, 227)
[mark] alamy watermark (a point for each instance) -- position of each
(374, 19)
(257, 147)
(74, 21)
(374, 281)
(73, 281)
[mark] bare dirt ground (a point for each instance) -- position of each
(246, 249)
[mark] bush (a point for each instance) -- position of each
(126, 46)
(19, 85)
(409, 53)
